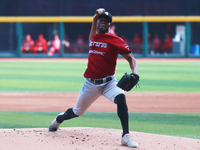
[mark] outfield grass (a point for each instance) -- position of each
(67, 76)
(174, 124)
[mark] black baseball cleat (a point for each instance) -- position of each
(54, 124)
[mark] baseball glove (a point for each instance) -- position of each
(128, 81)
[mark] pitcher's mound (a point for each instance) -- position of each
(88, 139)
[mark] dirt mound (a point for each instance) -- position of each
(77, 138)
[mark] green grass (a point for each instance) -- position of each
(41, 76)
(67, 76)
(174, 124)
(177, 76)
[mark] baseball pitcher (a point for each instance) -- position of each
(104, 49)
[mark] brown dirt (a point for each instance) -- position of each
(95, 138)
(137, 102)
(88, 139)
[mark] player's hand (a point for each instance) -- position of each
(135, 75)
(100, 10)
(39, 48)
(26, 48)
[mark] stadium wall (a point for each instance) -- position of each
(144, 21)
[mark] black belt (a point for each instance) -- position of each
(100, 81)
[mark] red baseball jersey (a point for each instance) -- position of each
(168, 41)
(28, 43)
(41, 43)
(103, 52)
(156, 42)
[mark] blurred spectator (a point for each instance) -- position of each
(156, 44)
(40, 44)
(150, 42)
(167, 47)
(55, 45)
(27, 45)
(80, 43)
(137, 41)
(112, 29)
(66, 43)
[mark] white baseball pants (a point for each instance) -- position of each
(91, 91)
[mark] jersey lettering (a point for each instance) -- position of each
(96, 52)
(98, 44)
